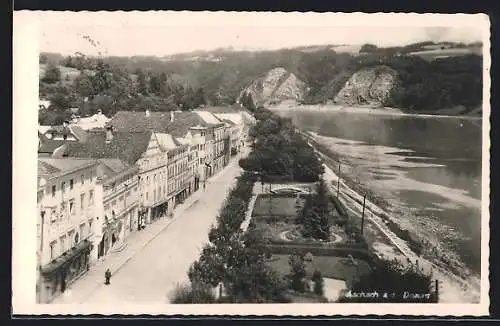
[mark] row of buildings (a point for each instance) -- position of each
(97, 184)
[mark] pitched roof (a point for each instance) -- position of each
(132, 121)
(48, 146)
(43, 129)
(45, 168)
(229, 122)
(235, 118)
(116, 165)
(127, 146)
(208, 117)
(167, 142)
(223, 109)
(52, 167)
(78, 132)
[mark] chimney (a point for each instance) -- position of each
(147, 113)
(65, 124)
(171, 116)
(99, 112)
(109, 134)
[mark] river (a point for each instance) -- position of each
(427, 170)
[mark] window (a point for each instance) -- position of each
(71, 184)
(71, 235)
(146, 195)
(82, 179)
(63, 210)
(63, 187)
(90, 225)
(82, 201)
(53, 249)
(82, 230)
(72, 209)
(53, 191)
(62, 239)
(91, 197)
(53, 215)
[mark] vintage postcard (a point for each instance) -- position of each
(233, 163)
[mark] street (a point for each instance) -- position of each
(153, 273)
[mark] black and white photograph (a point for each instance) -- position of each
(185, 161)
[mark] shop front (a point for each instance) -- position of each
(196, 182)
(158, 211)
(62, 271)
(113, 233)
(141, 217)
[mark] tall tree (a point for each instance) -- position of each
(142, 82)
(82, 85)
(103, 78)
(199, 97)
(297, 272)
(318, 280)
(52, 74)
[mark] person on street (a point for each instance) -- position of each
(107, 276)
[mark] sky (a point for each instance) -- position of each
(163, 33)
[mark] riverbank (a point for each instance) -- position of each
(457, 285)
(366, 109)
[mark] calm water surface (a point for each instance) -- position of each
(429, 165)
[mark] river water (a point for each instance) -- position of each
(427, 170)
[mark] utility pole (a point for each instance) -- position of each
(363, 214)
(338, 182)
(437, 290)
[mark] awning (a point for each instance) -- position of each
(70, 255)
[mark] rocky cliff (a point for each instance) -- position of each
(368, 86)
(276, 86)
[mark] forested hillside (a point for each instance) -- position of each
(219, 77)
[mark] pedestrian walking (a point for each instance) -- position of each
(107, 276)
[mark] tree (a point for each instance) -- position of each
(103, 78)
(196, 292)
(42, 59)
(394, 279)
(83, 86)
(318, 280)
(315, 214)
(142, 83)
(297, 272)
(155, 84)
(368, 48)
(52, 74)
(199, 97)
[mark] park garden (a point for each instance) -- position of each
(300, 245)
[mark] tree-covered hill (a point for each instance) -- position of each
(218, 77)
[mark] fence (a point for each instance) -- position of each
(302, 249)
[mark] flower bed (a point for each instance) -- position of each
(338, 268)
(277, 206)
